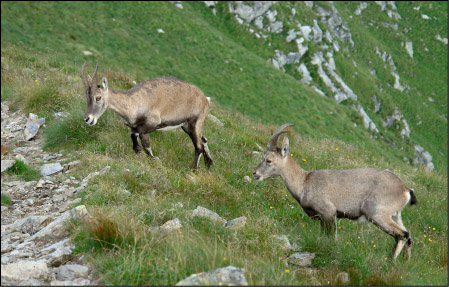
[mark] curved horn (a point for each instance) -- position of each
(83, 76)
(94, 77)
(273, 142)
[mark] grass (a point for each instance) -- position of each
(24, 171)
(6, 200)
(117, 240)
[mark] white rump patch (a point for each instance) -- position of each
(208, 98)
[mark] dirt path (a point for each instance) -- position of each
(35, 246)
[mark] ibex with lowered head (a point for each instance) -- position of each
(357, 194)
(157, 104)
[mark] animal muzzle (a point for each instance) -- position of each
(91, 120)
(257, 176)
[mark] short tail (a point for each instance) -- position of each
(413, 199)
(208, 98)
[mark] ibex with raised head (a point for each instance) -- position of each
(157, 104)
(357, 194)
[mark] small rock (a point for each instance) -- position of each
(283, 241)
(31, 224)
(301, 258)
(159, 30)
(71, 271)
(246, 178)
(32, 126)
(425, 17)
(7, 164)
(49, 157)
(170, 226)
(87, 53)
(5, 260)
(126, 192)
(190, 177)
(62, 252)
(24, 270)
(291, 35)
(409, 48)
(57, 228)
(21, 158)
(206, 213)
(72, 164)
(236, 223)
(222, 276)
(444, 40)
(51, 168)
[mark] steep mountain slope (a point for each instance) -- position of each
(229, 63)
(45, 43)
(391, 69)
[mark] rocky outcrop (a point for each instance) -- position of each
(249, 13)
(367, 122)
(335, 23)
(397, 117)
(362, 6)
(424, 158)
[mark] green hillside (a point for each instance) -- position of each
(42, 54)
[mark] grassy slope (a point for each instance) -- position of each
(139, 258)
(188, 48)
(426, 73)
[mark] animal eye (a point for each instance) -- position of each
(98, 99)
(268, 161)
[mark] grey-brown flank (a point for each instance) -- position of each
(158, 104)
(357, 194)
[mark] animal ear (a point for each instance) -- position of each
(104, 82)
(284, 150)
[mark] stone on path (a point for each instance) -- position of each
(7, 163)
(24, 270)
(51, 168)
(32, 126)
